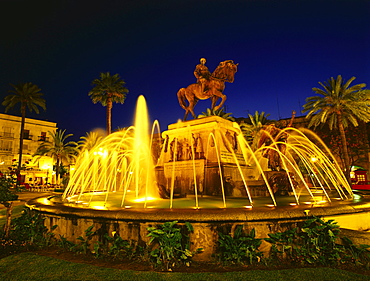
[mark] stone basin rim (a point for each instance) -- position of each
(200, 215)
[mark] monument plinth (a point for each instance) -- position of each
(200, 153)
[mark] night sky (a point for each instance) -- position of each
(284, 48)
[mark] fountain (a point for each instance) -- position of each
(201, 171)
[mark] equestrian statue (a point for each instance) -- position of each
(208, 86)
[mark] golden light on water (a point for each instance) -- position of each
(97, 207)
(143, 199)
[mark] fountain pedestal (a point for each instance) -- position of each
(200, 154)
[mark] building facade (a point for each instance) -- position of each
(37, 170)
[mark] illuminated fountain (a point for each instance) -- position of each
(203, 163)
(133, 179)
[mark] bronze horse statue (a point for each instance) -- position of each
(213, 89)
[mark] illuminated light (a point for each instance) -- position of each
(270, 205)
(46, 167)
(356, 196)
(70, 197)
(321, 202)
(78, 202)
(138, 200)
(99, 207)
(248, 207)
(293, 204)
(2, 163)
(114, 232)
(128, 207)
(314, 159)
(196, 208)
(307, 203)
(85, 203)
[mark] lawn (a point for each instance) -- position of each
(30, 266)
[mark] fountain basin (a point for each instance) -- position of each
(132, 224)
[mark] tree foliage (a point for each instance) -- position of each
(28, 96)
(338, 104)
(59, 149)
(220, 112)
(108, 89)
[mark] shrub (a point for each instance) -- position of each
(172, 246)
(315, 243)
(239, 248)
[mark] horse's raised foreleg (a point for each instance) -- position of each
(215, 98)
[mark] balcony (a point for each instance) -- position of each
(43, 138)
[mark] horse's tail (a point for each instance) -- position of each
(181, 97)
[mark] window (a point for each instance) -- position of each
(42, 137)
(5, 145)
(7, 131)
(26, 134)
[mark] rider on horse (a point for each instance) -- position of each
(208, 86)
(202, 74)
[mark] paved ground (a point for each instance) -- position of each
(25, 196)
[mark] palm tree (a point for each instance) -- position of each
(58, 149)
(28, 96)
(251, 130)
(108, 89)
(220, 112)
(90, 141)
(338, 105)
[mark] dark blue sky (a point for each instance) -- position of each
(284, 48)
